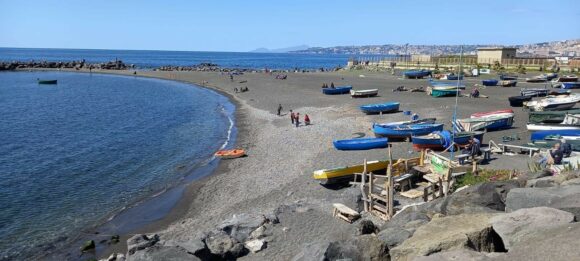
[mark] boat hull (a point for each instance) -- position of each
(435, 143)
(47, 81)
(364, 93)
(518, 101)
(342, 174)
(489, 82)
(534, 92)
(570, 85)
(417, 74)
(543, 127)
(337, 90)
(506, 112)
(508, 83)
(361, 144)
(541, 135)
(378, 108)
(486, 123)
(405, 131)
(444, 93)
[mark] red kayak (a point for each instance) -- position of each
(492, 113)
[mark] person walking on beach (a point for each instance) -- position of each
(306, 120)
(279, 109)
(332, 85)
(297, 120)
(292, 116)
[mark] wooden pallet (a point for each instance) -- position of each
(345, 213)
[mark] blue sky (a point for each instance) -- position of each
(246, 25)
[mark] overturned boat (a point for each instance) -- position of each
(364, 93)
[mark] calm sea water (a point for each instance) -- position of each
(74, 153)
(151, 59)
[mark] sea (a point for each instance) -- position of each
(106, 151)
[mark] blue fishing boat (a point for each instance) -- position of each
(446, 84)
(453, 77)
(417, 74)
(570, 85)
(490, 123)
(440, 140)
(337, 90)
(361, 144)
(505, 77)
(490, 82)
(551, 76)
(542, 135)
(444, 91)
(407, 130)
(420, 121)
(380, 107)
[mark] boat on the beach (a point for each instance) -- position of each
(504, 112)
(518, 101)
(508, 83)
(570, 85)
(426, 120)
(380, 107)
(545, 134)
(47, 81)
(566, 78)
(554, 117)
(406, 130)
(539, 78)
(230, 154)
(505, 77)
(364, 93)
(442, 140)
(345, 174)
(570, 122)
(534, 92)
(551, 76)
(488, 123)
(337, 90)
(454, 77)
(361, 144)
(490, 82)
(416, 74)
(434, 84)
(444, 91)
(554, 103)
(549, 143)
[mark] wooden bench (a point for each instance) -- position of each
(461, 158)
(522, 148)
(345, 213)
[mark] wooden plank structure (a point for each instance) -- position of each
(345, 213)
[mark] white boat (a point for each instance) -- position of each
(571, 122)
(554, 103)
(364, 93)
(490, 123)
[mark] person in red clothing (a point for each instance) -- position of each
(297, 119)
(292, 116)
(306, 119)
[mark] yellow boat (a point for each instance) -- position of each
(342, 174)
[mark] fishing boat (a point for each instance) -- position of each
(570, 85)
(551, 76)
(442, 140)
(444, 91)
(416, 74)
(508, 83)
(47, 81)
(454, 77)
(553, 117)
(381, 107)
(559, 92)
(337, 90)
(549, 143)
(554, 103)
(488, 123)
(230, 154)
(570, 122)
(361, 144)
(505, 112)
(566, 78)
(405, 131)
(518, 101)
(434, 83)
(364, 93)
(539, 78)
(534, 92)
(491, 82)
(505, 77)
(345, 174)
(542, 135)
(391, 124)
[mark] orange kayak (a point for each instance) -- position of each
(230, 154)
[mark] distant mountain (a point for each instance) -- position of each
(281, 50)
(567, 47)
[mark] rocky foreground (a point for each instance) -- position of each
(81, 64)
(531, 218)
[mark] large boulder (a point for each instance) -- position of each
(140, 242)
(241, 226)
(471, 231)
(483, 197)
(571, 182)
(394, 235)
(224, 246)
(162, 253)
(312, 252)
(457, 255)
(541, 182)
(517, 226)
(365, 247)
(366, 226)
(565, 198)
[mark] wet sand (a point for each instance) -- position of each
(281, 157)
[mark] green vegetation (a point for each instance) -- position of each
(484, 175)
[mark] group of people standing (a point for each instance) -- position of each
(324, 85)
(295, 117)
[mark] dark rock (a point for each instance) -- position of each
(240, 226)
(160, 252)
(394, 235)
(139, 242)
(484, 197)
(313, 252)
(88, 245)
(366, 227)
(565, 198)
(413, 225)
(541, 182)
(195, 246)
(365, 247)
(224, 246)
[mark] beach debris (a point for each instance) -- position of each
(255, 245)
(241, 226)
(345, 213)
(258, 233)
(366, 227)
(88, 245)
(141, 241)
